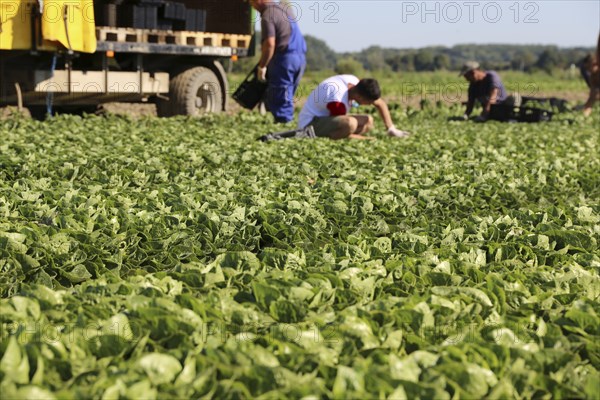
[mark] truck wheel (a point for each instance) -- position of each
(195, 91)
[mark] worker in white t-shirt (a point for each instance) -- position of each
(327, 107)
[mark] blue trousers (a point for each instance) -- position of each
(285, 71)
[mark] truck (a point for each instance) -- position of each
(73, 55)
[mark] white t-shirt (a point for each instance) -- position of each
(334, 89)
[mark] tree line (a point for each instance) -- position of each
(527, 58)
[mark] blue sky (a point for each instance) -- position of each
(352, 25)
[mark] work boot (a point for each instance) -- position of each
(304, 133)
(268, 137)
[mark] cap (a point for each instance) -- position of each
(468, 66)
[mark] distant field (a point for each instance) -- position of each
(409, 88)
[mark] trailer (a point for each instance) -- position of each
(73, 55)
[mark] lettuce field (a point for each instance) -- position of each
(181, 258)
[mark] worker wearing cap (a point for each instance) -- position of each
(485, 87)
(283, 55)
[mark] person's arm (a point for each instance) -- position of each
(469, 110)
(267, 45)
(266, 54)
(384, 112)
(336, 108)
(493, 98)
(593, 96)
(493, 85)
(470, 103)
(585, 74)
(360, 137)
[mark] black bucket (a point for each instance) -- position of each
(506, 113)
(251, 91)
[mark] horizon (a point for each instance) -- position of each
(353, 25)
(591, 48)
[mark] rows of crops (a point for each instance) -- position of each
(181, 258)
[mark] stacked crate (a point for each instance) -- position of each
(224, 16)
(195, 20)
(150, 14)
(105, 13)
(170, 12)
(140, 14)
(174, 15)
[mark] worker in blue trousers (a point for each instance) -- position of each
(283, 57)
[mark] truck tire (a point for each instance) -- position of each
(195, 91)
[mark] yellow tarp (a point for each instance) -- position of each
(15, 24)
(70, 23)
(64, 23)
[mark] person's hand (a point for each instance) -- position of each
(261, 74)
(394, 132)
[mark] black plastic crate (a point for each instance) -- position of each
(528, 114)
(555, 103)
(105, 14)
(173, 10)
(505, 113)
(251, 91)
(164, 24)
(139, 17)
(195, 20)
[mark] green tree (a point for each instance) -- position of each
(319, 55)
(424, 61)
(549, 59)
(374, 59)
(408, 62)
(523, 60)
(441, 61)
(394, 62)
(349, 65)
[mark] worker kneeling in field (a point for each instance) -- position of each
(326, 108)
(487, 88)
